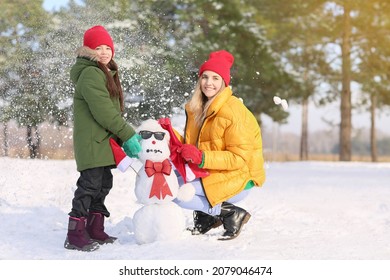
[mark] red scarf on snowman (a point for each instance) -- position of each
(187, 170)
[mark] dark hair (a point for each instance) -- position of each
(113, 83)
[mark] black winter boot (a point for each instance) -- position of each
(95, 229)
(203, 223)
(77, 237)
(233, 219)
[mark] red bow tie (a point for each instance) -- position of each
(160, 186)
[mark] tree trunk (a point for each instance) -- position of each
(33, 142)
(374, 153)
(304, 151)
(345, 108)
(5, 134)
(275, 141)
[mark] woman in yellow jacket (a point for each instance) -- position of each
(223, 137)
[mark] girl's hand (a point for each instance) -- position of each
(132, 147)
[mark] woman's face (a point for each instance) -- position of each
(211, 83)
(104, 53)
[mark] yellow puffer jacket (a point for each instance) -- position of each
(230, 138)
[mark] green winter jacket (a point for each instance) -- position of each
(97, 116)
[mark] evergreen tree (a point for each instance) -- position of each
(23, 97)
(258, 73)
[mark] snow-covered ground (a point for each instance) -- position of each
(304, 211)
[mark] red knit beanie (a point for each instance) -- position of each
(96, 36)
(219, 62)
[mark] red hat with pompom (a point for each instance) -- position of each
(219, 62)
(122, 161)
(96, 36)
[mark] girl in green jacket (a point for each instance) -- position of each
(97, 108)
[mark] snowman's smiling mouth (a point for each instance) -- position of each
(153, 151)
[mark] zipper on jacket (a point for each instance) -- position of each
(201, 127)
(197, 142)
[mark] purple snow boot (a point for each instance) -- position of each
(95, 229)
(77, 237)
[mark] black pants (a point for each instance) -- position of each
(93, 186)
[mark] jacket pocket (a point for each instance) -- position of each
(102, 135)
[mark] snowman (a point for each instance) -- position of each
(156, 187)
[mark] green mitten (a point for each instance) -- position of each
(132, 146)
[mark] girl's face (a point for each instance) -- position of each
(211, 83)
(104, 53)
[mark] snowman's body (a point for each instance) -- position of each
(159, 218)
(158, 222)
(144, 183)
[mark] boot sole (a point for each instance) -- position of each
(195, 232)
(87, 248)
(244, 221)
(109, 240)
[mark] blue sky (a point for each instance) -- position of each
(51, 5)
(54, 4)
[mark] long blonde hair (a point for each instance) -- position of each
(199, 103)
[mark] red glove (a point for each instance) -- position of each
(190, 153)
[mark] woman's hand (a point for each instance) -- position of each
(190, 153)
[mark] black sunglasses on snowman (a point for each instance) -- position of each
(146, 134)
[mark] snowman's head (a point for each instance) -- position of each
(154, 142)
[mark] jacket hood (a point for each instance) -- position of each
(86, 57)
(87, 52)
